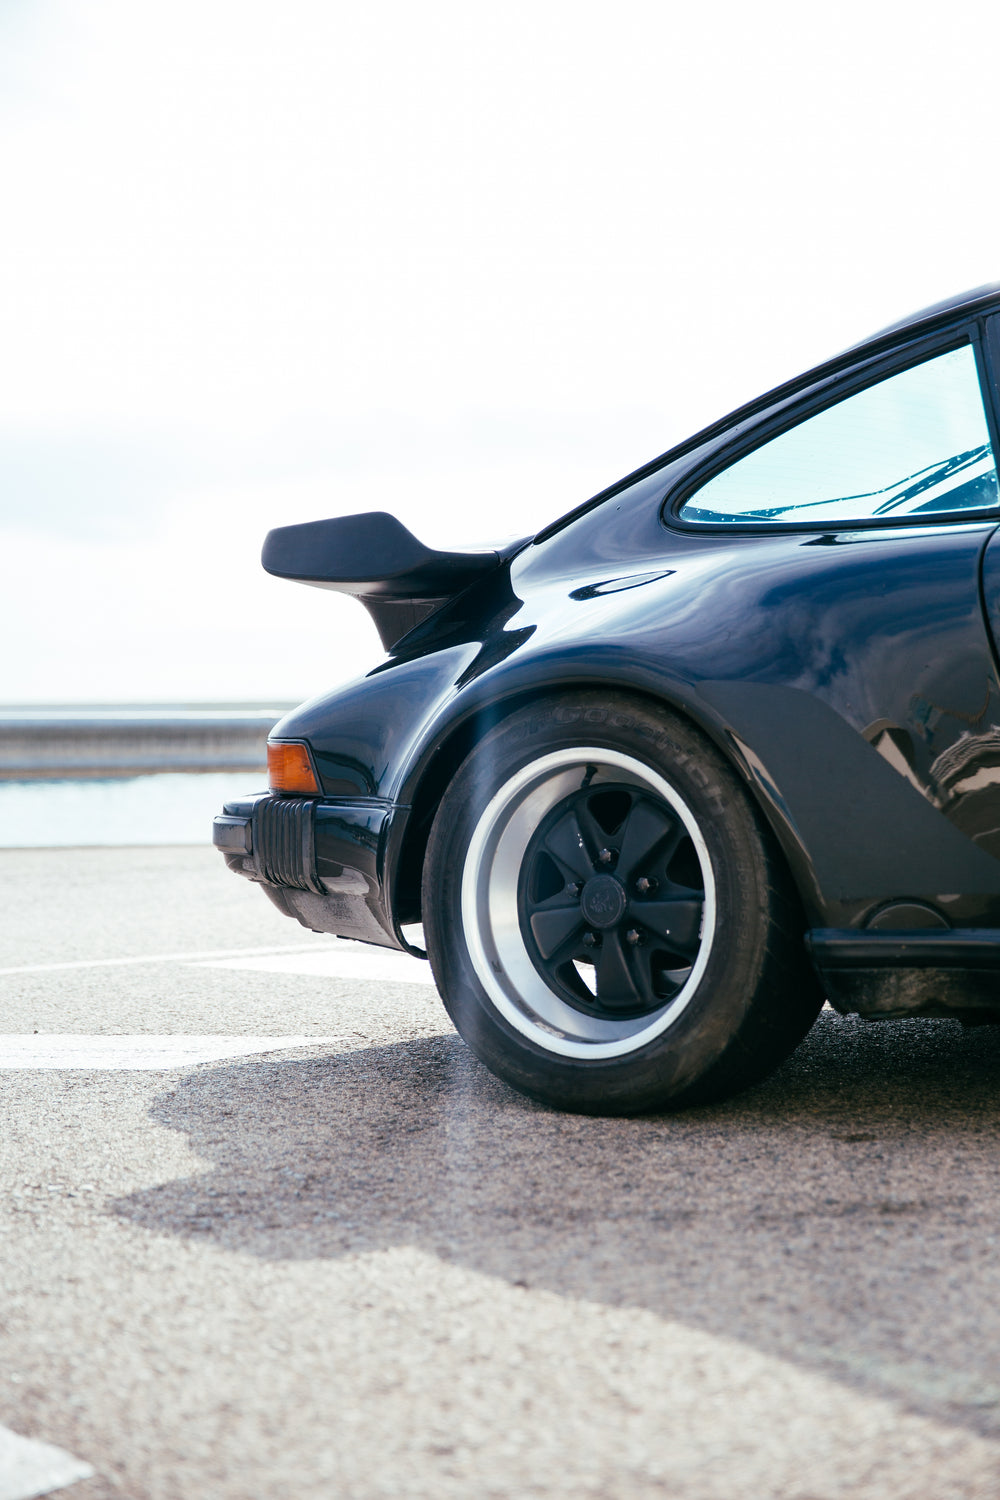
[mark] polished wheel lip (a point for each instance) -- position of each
(492, 932)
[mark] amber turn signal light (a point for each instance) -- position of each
(289, 768)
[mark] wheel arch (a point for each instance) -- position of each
(435, 770)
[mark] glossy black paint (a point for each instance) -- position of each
(849, 675)
(837, 676)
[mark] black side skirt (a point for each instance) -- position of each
(884, 975)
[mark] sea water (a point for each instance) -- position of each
(166, 808)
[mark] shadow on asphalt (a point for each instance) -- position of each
(841, 1215)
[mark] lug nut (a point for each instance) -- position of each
(573, 888)
(643, 884)
(632, 936)
(605, 857)
(589, 940)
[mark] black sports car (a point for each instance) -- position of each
(723, 740)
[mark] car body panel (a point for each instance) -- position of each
(849, 674)
(870, 654)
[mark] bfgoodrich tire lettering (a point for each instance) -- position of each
(606, 915)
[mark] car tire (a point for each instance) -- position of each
(608, 917)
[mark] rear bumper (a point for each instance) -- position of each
(321, 861)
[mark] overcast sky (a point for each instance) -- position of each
(469, 263)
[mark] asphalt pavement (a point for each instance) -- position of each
(347, 1263)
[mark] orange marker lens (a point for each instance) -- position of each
(289, 769)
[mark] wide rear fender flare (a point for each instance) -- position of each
(449, 738)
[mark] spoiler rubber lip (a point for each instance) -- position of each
(372, 555)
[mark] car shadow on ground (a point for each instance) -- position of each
(841, 1215)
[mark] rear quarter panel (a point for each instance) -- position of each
(837, 671)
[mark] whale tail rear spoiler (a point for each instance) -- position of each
(374, 557)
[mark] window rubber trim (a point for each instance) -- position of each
(839, 388)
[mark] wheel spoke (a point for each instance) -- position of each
(593, 835)
(646, 826)
(677, 923)
(597, 887)
(565, 843)
(552, 926)
(615, 984)
(650, 971)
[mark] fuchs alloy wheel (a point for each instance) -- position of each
(588, 902)
(607, 917)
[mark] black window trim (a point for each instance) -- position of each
(984, 336)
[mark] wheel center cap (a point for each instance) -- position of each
(603, 901)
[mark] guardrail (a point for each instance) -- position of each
(40, 744)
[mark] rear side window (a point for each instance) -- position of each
(916, 444)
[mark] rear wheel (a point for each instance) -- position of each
(606, 915)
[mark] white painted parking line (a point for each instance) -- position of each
(29, 1468)
(161, 958)
(140, 1053)
(346, 960)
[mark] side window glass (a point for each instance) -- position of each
(915, 444)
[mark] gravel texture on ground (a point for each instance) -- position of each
(369, 1269)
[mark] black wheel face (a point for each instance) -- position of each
(588, 902)
(611, 900)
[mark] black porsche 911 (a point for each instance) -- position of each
(720, 742)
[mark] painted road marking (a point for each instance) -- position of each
(29, 1468)
(140, 1053)
(161, 958)
(346, 960)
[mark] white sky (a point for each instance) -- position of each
(470, 263)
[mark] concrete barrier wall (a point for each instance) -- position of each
(62, 744)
